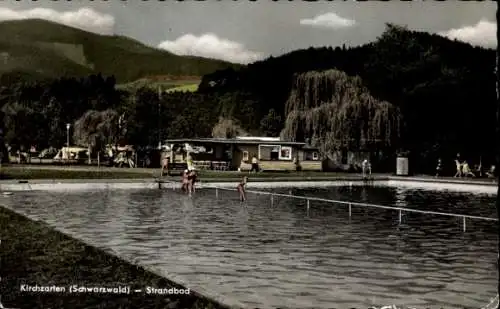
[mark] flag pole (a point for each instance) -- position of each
(159, 117)
(497, 75)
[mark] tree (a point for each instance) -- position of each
(435, 82)
(95, 129)
(54, 122)
(142, 115)
(228, 128)
(20, 123)
(271, 124)
(180, 128)
(4, 154)
(243, 107)
(337, 112)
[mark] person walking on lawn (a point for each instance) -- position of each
(255, 164)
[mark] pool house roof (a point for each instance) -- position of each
(242, 141)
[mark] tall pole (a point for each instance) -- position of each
(67, 134)
(67, 140)
(497, 74)
(159, 118)
(2, 145)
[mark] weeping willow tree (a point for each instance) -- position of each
(227, 128)
(96, 128)
(335, 111)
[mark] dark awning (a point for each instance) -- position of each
(230, 141)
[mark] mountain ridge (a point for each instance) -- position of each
(52, 50)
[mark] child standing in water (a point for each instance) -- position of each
(191, 181)
(241, 188)
(185, 181)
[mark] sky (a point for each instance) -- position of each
(244, 31)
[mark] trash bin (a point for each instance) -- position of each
(402, 166)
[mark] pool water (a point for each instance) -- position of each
(256, 254)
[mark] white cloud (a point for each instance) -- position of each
(84, 18)
(210, 45)
(482, 34)
(328, 20)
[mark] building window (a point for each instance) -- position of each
(315, 156)
(275, 152)
(245, 155)
(285, 153)
(269, 152)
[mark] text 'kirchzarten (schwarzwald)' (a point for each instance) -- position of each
(90, 289)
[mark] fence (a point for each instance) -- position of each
(401, 210)
(494, 302)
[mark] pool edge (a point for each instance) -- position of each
(204, 295)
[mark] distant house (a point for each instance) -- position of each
(237, 153)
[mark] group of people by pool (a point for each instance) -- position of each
(189, 178)
(464, 170)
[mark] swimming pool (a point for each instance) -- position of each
(266, 256)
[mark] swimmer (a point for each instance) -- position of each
(241, 188)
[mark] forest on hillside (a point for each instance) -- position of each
(437, 95)
(444, 89)
(37, 49)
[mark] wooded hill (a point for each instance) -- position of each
(414, 91)
(445, 89)
(38, 49)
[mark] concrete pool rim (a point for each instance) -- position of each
(255, 177)
(464, 185)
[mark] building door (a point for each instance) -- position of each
(219, 152)
(275, 153)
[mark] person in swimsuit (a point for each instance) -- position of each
(191, 176)
(459, 169)
(491, 172)
(364, 168)
(185, 181)
(164, 166)
(255, 164)
(466, 170)
(439, 168)
(241, 188)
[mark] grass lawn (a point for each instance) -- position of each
(188, 88)
(20, 172)
(168, 85)
(32, 253)
(17, 173)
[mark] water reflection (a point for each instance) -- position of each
(400, 197)
(280, 256)
(242, 219)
